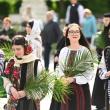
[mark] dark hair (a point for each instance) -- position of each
(82, 40)
(19, 40)
(107, 15)
(31, 23)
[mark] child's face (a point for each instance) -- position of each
(18, 50)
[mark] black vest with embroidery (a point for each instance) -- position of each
(74, 16)
(24, 71)
(107, 58)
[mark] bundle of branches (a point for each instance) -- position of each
(2, 90)
(61, 89)
(39, 87)
(81, 63)
(7, 48)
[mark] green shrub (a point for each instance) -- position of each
(17, 5)
(4, 9)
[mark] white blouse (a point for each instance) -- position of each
(36, 44)
(82, 78)
(102, 68)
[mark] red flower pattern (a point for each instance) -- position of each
(28, 49)
(7, 71)
(11, 70)
(9, 66)
(16, 73)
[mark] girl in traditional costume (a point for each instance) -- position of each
(104, 73)
(18, 70)
(79, 99)
(98, 98)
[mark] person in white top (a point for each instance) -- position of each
(80, 99)
(104, 74)
(33, 36)
(74, 13)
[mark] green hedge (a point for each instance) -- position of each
(9, 6)
(4, 9)
(17, 5)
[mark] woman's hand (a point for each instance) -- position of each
(64, 80)
(21, 94)
(14, 93)
(107, 74)
(70, 80)
(17, 94)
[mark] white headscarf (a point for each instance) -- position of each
(36, 27)
(35, 39)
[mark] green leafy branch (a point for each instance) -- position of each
(81, 63)
(7, 48)
(39, 87)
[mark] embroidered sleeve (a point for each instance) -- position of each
(102, 68)
(1, 66)
(62, 61)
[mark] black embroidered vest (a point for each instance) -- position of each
(74, 16)
(24, 72)
(107, 57)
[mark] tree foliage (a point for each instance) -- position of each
(98, 7)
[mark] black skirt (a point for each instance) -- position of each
(75, 101)
(98, 94)
(26, 104)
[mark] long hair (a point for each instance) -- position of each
(82, 40)
(30, 23)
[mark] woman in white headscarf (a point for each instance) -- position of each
(33, 36)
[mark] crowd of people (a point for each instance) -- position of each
(72, 42)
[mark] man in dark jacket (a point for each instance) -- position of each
(50, 34)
